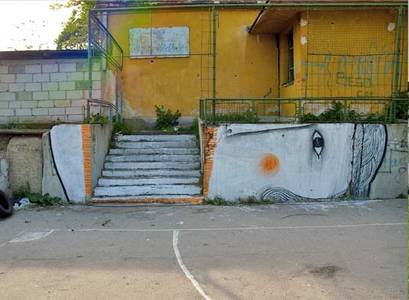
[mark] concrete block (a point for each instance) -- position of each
(14, 104)
(74, 110)
(147, 181)
(33, 68)
(81, 85)
(162, 151)
(40, 95)
(50, 86)
(58, 119)
(6, 112)
(16, 87)
(58, 77)
(48, 103)
(17, 69)
(151, 165)
(76, 103)
(5, 96)
(24, 77)
(40, 112)
(4, 69)
(68, 67)
(7, 78)
(82, 67)
(62, 103)
(4, 87)
(43, 77)
(5, 104)
(26, 163)
(75, 118)
(23, 112)
(24, 96)
(148, 190)
(29, 104)
(67, 85)
(57, 95)
(50, 68)
(96, 94)
(75, 76)
(56, 111)
(96, 84)
(74, 94)
(96, 76)
(33, 86)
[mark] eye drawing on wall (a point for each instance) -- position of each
(317, 143)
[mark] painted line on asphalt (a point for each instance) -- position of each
(337, 226)
(184, 268)
(31, 236)
(18, 234)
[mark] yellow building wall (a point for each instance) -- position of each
(343, 53)
(246, 64)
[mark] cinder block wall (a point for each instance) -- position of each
(46, 90)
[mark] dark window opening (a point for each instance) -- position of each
(290, 43)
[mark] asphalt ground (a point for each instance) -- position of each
(344, 250)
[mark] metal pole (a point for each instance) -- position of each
(214, 41)
(398, 53)
(90, 14)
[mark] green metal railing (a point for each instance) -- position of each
(305, 110)
(104, 50)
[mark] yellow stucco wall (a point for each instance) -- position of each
(350, 54)
(246, 64)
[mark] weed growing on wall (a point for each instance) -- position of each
(248, 116)
(165, 118)
(96, 119)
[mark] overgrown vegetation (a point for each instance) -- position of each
(165, 118)
(219, 201)
(119, 127)
(338, 112)
(248, 116)
(96, 119)
(36, 198)
(74, 35)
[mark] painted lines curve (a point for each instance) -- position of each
(183, 267)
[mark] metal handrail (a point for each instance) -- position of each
(112, 107)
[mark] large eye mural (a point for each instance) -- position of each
(317, 143)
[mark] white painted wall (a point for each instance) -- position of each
(66, 143)
(241, 147)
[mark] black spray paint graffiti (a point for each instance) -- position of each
(368, 151)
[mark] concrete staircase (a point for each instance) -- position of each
(151, 168)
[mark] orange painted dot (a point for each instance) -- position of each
(269, 164)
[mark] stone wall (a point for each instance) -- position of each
(45, 90)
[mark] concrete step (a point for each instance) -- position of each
(152, 158)
(155, 145)
(151, 165)
(120, 191)
(149, 173)
(156, 138)
(162, 199)
(159, 151)
(147, 181)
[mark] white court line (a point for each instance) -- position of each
(249, 228)
(31, 236)
(183, 267)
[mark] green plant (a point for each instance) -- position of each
(219, 201)
(36, 198)
(165, 118)
(96, 119)
(248, 116)
(120, 127)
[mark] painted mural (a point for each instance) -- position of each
(297, 162)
